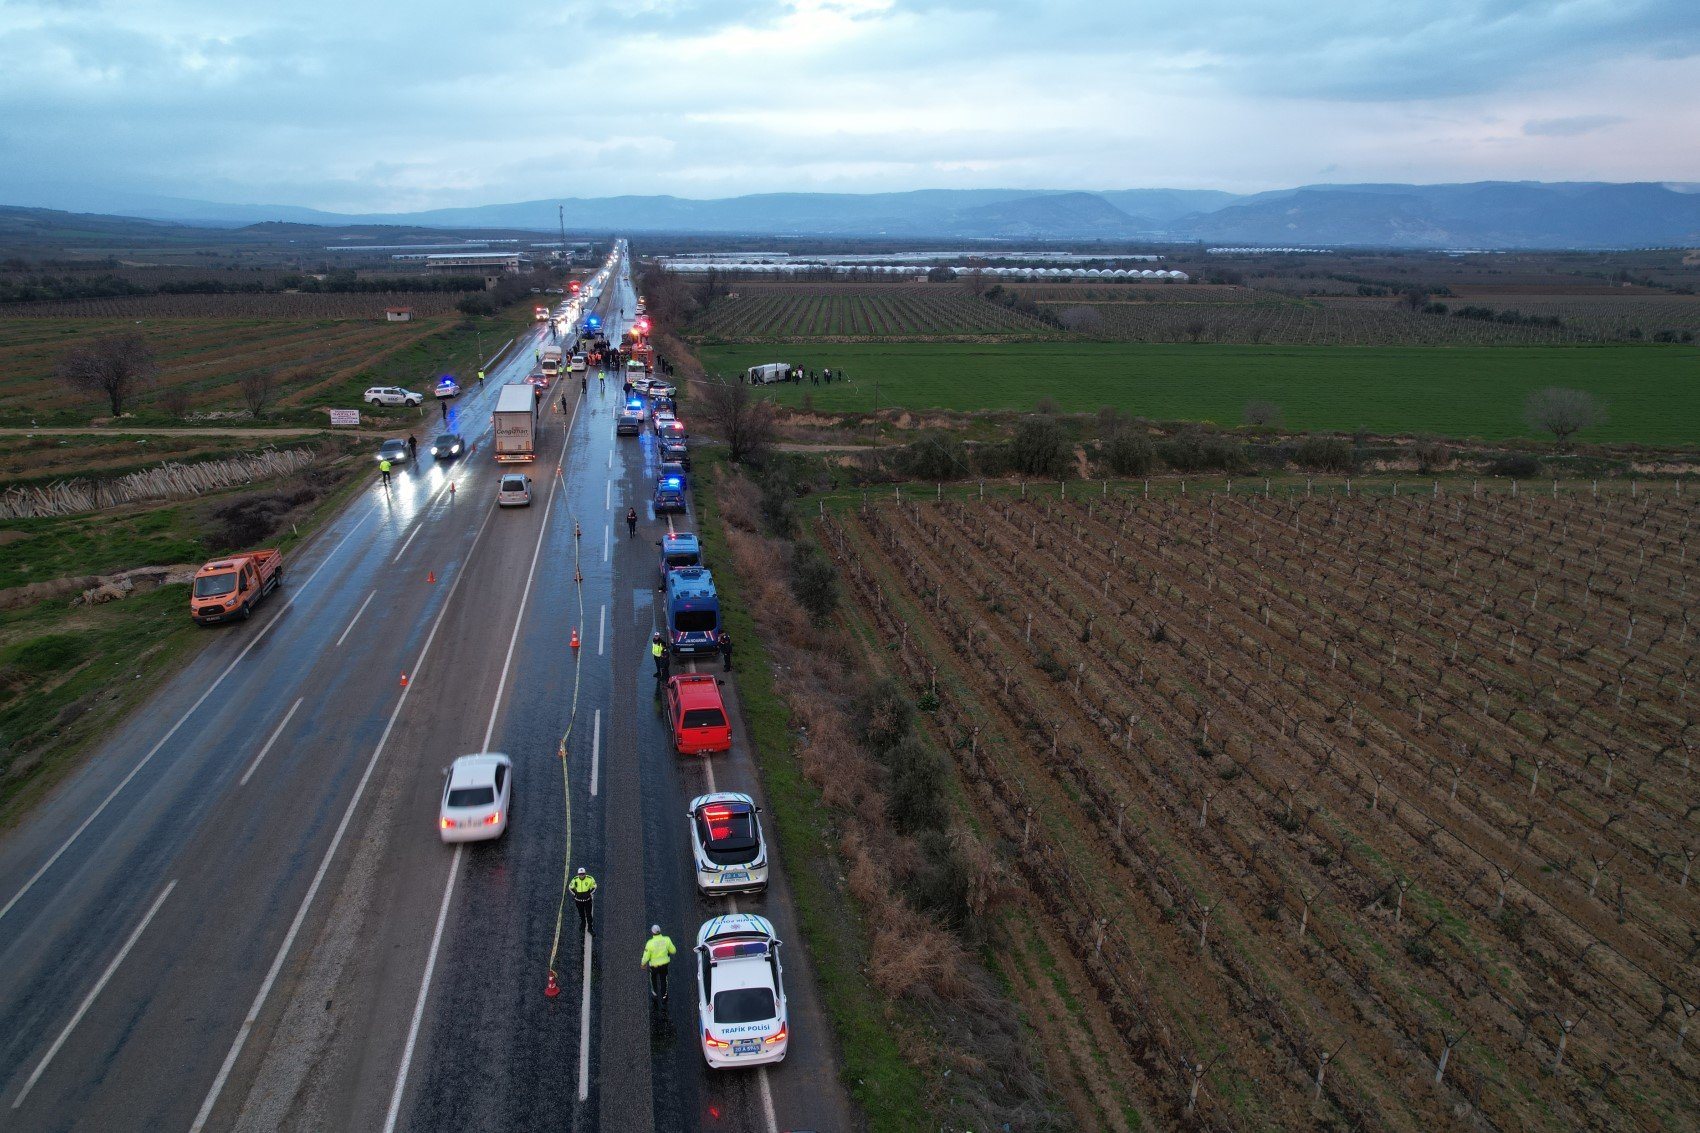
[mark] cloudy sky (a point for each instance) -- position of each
(359, 106)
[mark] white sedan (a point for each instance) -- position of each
(740, 992)
(731, 856)
(476, 794)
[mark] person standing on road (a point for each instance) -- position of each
(444, 406)
(584, 896)
(412, 447)
(583, 384)
(658, 651)
(384, 471)
(658, 950)
(724, 641)
(481, 377)
(631, 522)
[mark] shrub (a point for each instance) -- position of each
(882, 714)
(1127, 453)
(813, 581)
(475, 305)
(916, 798)
(934, 458)
(939, 886)
(1326, 454)
(1262, 414)
(1191, 452)
(1431, 454)
(1516, 465)
(1039, 449)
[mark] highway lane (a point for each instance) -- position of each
(216, 854)
(164, 801)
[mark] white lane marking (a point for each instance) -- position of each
(610, 460)
(88, 1000)
(767, 1100)
(355, 618)
(607, 533)
(595, 752)
(406, 1066)
(154, 750)
(254, 1009)
(601, 628)
(417, 528)
(424, 987)
(584, 1026)
(608, 494)
(276, 732)
(669, 523)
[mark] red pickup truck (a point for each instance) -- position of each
(231, 587)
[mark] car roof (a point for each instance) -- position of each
(680, 539)
(477, 770)
(735, 924)
(394, 442)
(509, 476)
(698, 690)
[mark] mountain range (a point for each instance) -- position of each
(1487, 215)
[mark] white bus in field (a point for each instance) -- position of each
(768, 373)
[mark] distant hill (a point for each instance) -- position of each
(1489, 214)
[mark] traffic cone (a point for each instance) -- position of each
(404, 680)
(553, 987)
(574, 642)
(430, 576)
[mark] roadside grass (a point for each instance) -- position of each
(453, 350)
(891, 1093)
(65, 676)
(38, 550)
(1652, 393)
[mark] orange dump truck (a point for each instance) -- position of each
(231, 587)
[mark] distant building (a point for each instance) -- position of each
(398, 314)
(468, 261)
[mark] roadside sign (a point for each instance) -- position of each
(345, 416)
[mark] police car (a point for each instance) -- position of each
(731, 855)
(740, 992)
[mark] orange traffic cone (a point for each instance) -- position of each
(404, 680)
(430, 576)
(574, 642)
(552, 988)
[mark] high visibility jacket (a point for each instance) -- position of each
(582, 887)
(657, 950)
(656, 649)
(383, 466)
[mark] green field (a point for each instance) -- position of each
(1652, 393)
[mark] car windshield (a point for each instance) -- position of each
(695, 621)
(447, 441)
(513, 484)
(215, 585)
(704, 718)
(471, 796)
(744, 1005)
(682, 561)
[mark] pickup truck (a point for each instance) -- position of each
(231, 587)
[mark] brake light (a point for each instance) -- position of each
(448, 824)
(492, 819)
(709, 1040)
(777, 1036)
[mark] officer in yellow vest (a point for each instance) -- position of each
(657, 951)
(384, 468)
(584, 896)
(658, 650)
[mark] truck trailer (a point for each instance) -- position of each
(516, 424)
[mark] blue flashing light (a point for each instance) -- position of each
(672, 481)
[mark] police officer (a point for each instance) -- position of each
(657, 951)
(658, 650)
(584, 896)
(384, 469)
(724, 641)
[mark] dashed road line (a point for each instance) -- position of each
(349, 629)
(276, 732)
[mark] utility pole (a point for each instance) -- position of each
(561, 212)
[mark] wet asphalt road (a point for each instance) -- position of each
(240, 915)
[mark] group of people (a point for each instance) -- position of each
(799, 374)
(658, 950)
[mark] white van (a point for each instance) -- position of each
(768, 373)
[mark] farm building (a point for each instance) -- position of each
(398, 314)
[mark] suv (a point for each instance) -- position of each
(675, 451)
(628, 424)
(696, 715)
(392, 395)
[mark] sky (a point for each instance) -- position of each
(356, 106)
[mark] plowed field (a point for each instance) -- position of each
(1330, 812)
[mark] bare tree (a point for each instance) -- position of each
(1081, 320)
(746, 421)
(114, 366)
(174, 399)
(257, 389)
(1562, 412)
(1263, 414)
